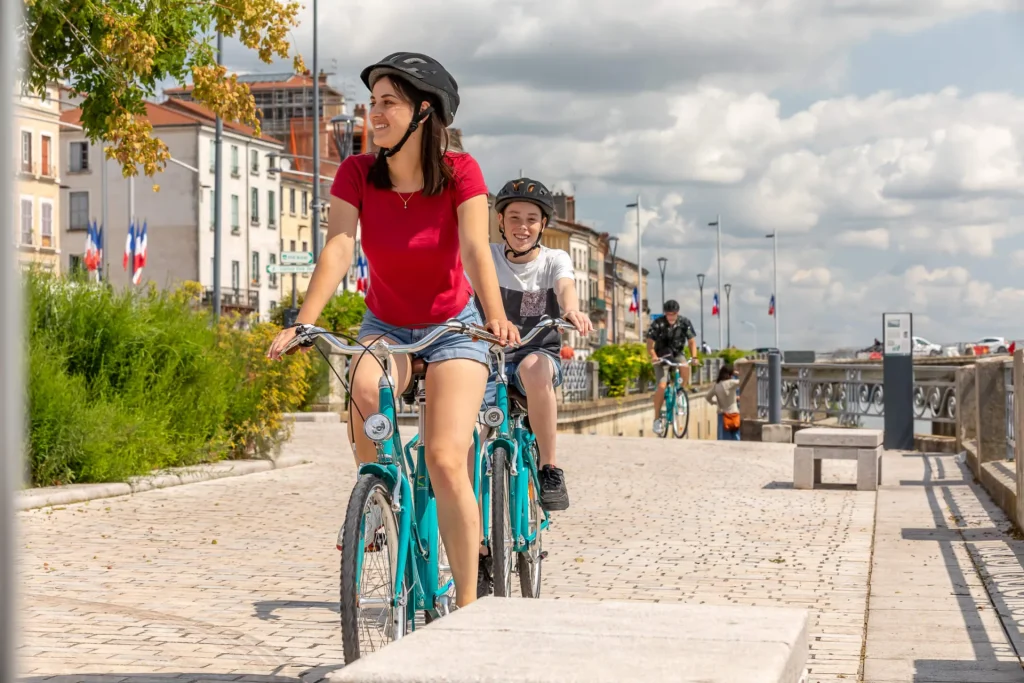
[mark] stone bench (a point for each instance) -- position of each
(558, 641)
(819, 443)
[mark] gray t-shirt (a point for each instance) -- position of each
(528, 293)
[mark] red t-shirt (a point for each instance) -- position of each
(412, 250)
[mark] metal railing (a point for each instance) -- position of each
(850, 393)
(577, 380)
(1011, 440)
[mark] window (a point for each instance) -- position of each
(305, 203)
(291, 201)
(254, 206)
(75, 264)
(26, 220)
(26, 151)
(213, 209)
(271, 208)
(291, 247)
(255, 269)
(213, 156)
(79, 157)
(234, 160)
(235, 275)
(305, 246)
(46, 223)
(46, 156)
(254, 162)
(79, 210)
(272, 277)
(234, 213)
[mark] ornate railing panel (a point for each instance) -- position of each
(577, 380)
(849, 393)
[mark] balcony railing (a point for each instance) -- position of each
(598, 304)
(238, 299)
(593, 265)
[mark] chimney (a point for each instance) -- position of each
(565, 207)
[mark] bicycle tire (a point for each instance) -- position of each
(352, 623)
(501, 525)
(681, 400)
(529, 563)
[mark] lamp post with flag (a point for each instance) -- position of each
(773, 309)
(634, 307)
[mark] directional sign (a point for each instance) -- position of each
(281, 268)
(296, 258)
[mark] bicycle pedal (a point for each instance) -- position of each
(543, 555)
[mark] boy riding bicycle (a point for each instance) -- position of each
(668, 336)
(535, 281)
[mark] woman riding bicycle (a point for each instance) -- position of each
(424, 218)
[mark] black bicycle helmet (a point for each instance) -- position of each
(525, 190)
(423, 73)
(671, 306)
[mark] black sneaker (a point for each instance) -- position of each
(484, 577)
(553, 495)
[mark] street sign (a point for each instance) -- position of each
(296, 258)
(281, 268)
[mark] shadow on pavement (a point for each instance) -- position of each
(314, 675)
(265, 608)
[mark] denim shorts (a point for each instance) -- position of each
(448, 347)
(512, 372)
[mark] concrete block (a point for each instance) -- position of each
(558, 641)
(777, 433)
(806, 468)
(869, 468)
(846, 438)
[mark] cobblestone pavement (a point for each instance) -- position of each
(236, 579)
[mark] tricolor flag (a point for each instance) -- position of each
(93, 247)
(362, 284)
(771, 306)
(634, 302)
(140, 254)
(129, 243)
(714, 305)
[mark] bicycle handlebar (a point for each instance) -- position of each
(672, 364)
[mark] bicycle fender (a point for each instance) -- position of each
(508, 442)
(389, 473)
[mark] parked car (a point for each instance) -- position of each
(923, 347)
(988, 345)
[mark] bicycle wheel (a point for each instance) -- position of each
(529, 563)
(501, 525)
(661, 425)
(369, 559)
(681, 414)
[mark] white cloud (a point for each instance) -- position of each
(876, 238)
(813, 277)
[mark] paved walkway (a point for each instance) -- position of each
(237, 578)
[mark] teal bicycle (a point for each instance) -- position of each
(393, 563)
(675, 411)
(517, 517)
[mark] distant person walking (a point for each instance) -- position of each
(723, 395)
(567, 352)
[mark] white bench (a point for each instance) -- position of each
(819, 443)
(565, 641)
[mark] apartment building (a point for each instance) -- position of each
(38, 176)
(180, 217)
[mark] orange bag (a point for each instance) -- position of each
(730, 421)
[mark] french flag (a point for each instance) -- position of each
(634, 302)
(362, 285)
(771, 306)
(128, 244)
(93, 248)
(140, 254)
(714, 305)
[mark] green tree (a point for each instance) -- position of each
(116, 52)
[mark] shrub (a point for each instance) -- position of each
(621, 365)
(121, 383)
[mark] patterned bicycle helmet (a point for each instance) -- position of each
(526, 190)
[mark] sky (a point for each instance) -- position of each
(882, 140)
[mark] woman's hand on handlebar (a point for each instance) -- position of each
(281, 341)
(504, 330)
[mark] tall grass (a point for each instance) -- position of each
(121, 383)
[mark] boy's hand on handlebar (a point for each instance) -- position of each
(504, 330)
(580, 322)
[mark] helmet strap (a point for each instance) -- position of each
(413, 125)
(519, 254)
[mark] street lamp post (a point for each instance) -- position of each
(662, 264)
(728, 317)
(316, 138)
(718, 224)
(639, 270)
(615, 283)
(218, 195)
(774, 237)
(700, 285)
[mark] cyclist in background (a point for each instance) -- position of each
(424, 217)
(536, 281)
(668, 336)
